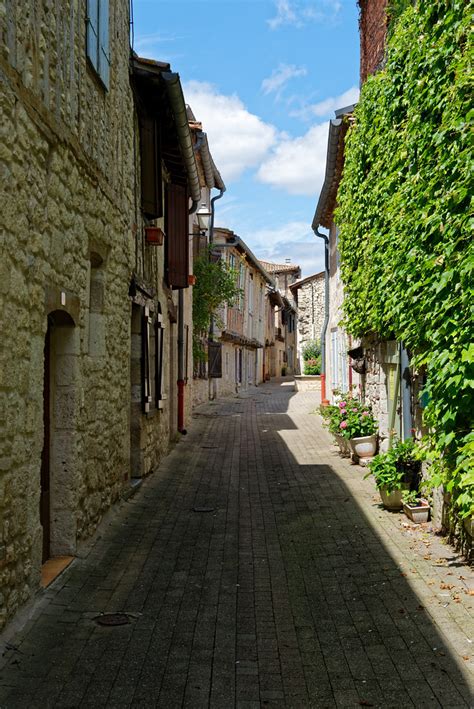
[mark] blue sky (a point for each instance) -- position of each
(264, 77)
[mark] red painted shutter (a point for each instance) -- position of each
(150, 158)
(177, 236)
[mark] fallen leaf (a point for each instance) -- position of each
(446, 586)
(427, 557)
(466, 657)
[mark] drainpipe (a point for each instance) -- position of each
(324, 400)
(406, 393)
(181, 352)
(212, 383)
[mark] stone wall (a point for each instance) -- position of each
(67, 253)
(310, 312)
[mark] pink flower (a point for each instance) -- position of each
(365, 413)
(342, 404)
(354, 410)
(343, 424)
(343, 412)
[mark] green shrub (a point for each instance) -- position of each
(312, 366)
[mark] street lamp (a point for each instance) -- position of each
(203, 216)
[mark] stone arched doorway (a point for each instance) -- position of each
(58, 499)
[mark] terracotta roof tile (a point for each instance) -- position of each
(276, 267)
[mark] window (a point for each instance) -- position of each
(97, 38)
(251, 293)
(152, 358)
(241, 284)
(159, 342)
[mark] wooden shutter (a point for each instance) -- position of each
(159, 343)
(215, 359)
(150, 160)
(177, 251)
(103, 51)
(147, 396)
(92, 33)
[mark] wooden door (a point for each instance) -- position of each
(45, 514)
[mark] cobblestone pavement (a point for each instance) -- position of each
(259, 571)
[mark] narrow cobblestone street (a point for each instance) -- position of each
(259, 570)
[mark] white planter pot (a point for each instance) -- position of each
(392, 500)
(419, 514)
(364, 447)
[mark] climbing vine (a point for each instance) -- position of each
(407, 253)
(216, 285)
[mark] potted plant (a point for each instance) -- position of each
(359, 427)
(332, 418)
(395, 472)
(415, 507)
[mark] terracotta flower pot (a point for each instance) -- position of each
(417, 513)
(154, 235)
(364, 446)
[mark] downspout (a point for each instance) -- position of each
(324, 400)
(181, 352)
(211, 241)
(212, 384)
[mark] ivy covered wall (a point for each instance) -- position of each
(407, 253)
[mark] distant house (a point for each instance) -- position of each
(283, 359)
(339, 374)
(308, 294)
(196, 373)
(242, 334)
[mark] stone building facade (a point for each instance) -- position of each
(282, 353)
(89, 302)
(67, 244)
(242, 334)
(309, 298)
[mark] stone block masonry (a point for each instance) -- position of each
(66, 152)
(310, 312)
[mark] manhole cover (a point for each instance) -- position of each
(112, 619)
(203, 509)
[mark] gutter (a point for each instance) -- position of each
(178, 106)
(212, 174)
(324, 399)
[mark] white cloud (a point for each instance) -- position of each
(294, 240)
(238, 139)
(328, 105)
(286, 15)
(280, 77)
(297, 165)
(299, 13)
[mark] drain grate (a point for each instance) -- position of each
(112, 619)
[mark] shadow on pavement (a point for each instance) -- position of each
(253, 579)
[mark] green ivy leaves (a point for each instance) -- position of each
(405, 218)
